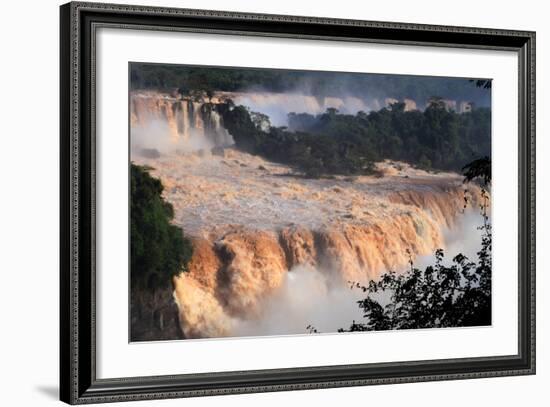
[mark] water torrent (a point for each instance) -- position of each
(168, 123)
(274, 252)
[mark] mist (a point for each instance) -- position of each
(308, 296)
(288, 301)
(162, 124)
(157, 135)
(465, 238)
(278, 105)
(312, 296)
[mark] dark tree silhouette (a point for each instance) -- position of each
(480, 168)
(158, 248)
(483, 83)
(158, 251)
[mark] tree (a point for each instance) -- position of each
(158, 251)
(319, 84)
(483, 83)
(209, 94)
(158, 248)
(332, 111)
(342, 144)
(261, 121)
(436, 102)
(480, 168)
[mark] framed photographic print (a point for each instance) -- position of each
(256, 203)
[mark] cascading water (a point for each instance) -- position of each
(170, 124)
(272, 252)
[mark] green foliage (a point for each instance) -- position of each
(333, 143)
(438, 296)
(158, 248)
(313, 154)
(315, 83)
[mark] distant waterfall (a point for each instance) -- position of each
(168, 123)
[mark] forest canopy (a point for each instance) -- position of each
(158, 248)
(334, 143)
(317, 83)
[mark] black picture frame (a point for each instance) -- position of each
(78, 381)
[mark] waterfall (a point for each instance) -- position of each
(213, 125)
(198, 123)
(238, 281)
(177, 124)
(273, 253)
(182, 118)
